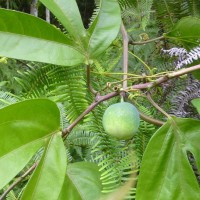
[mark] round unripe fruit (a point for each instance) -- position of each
(121, 120)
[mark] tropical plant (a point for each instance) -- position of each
(52, 127)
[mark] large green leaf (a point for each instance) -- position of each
(166, 173)
(196, 104)
(186, 31)
(105, 27)
(68, 14)
(24, 128)
(49, 176)
(82, 182)
(26, 37)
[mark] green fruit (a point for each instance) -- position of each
(121, 120)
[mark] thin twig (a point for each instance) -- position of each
(183, 71)
(100, 99)
(156, 105)
(146, 42)
(18, 180)
(150, 119)
(165, 78)
(97, 101)
(66, 131)
(125, 55)
(146, 66)
(92, 90)
(141, 86)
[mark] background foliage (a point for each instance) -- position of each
(67, 87)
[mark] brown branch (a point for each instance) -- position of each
(125, 55)
(66, 131)
(92, 90)
(18, 180)
(151, 120)
(146, 42)
(184, 71)
(156, 105)
(165, 78)
(98, 100)
(141, 86)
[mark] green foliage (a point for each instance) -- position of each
(79, 143)
(82, 181)
(126, 3)
(181, 102)
(36, 136)
(32, 128)
(145, 7)
(121, 120)
(142, 137)
(186, 31)
(56, 47)
(35, 81)
(51, 166)
(68, 14)
(167, 155)
(11, 196)
(68, 90)
(116, 159)
(172, 11)
(57, 83)
(102, 34)
(7, 99)
(196, 104)
(8, 69)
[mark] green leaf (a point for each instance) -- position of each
(68, 14)
(122, 192)
(186, 31)
(48, 178)
(145, 8)
(105, 27)
(196, 104)
(166, 172)
(24, 128)
(26, 37)
(196, 73)
(82, 182)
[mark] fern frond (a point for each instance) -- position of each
(103, 67)
(11, 196)
(144, 134)
(7, 99)
(80, 143)
(116, 159)
(60, 84)
(95, 12)
(192, 7)
(138, 12)
(80, 138)
(35, 81)
(168, 12)
(145, 8)
(126, 3)
(69, 156)
(70, 88)
(114, 61)
(63, 117)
